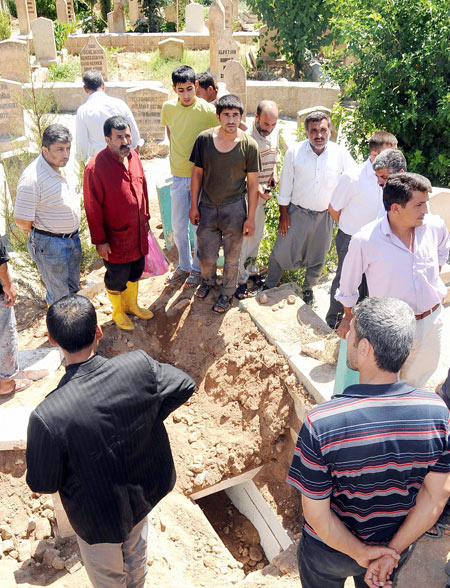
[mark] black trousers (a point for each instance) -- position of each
(118, 274)
(321, 566)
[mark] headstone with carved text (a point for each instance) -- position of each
(12, 125)
(216, 26)
(14, 63)
(93, 56)
(146, 104)
(227, 49)
(71, 10)
(44, 41)
(31, 7)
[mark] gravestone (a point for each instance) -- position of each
(235, 78)
(267, 48)
(23, 16)
(146, 104)
(31, 7)
(14, 60)
(62, 13)
(227, 49)
(134, 11)
(116, 18)
(71, 10)
(12, 126)
(195, 22)
(44, 41)
(228, 7)
(171, 13)
(216, 26)
(171, 47)
(235, 10)
(93, 56)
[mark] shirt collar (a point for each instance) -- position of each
(77, 370)
(368, 168)
(310, 149)
(386, 227)
(368, 390)
(48, 168)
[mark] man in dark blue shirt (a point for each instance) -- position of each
(99, 440)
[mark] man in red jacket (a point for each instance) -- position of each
(116, 203)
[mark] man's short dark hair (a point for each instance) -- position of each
(72, 322)
(400, 187)
(389, 325)
(56, 134)
(205, 79)
(114, 122)
(228, 102)
(183, 74)
(317, 116)
(92, 79)
(380, 138)
(391, 159)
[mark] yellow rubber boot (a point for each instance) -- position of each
(129, 302)
(118, 314)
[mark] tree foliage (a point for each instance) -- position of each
(400, 76)
(152, 10)
(301, 27)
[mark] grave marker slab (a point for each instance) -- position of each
(14, 60)
(171, 13)
(71, 10)
(93, 56)
(12, 126)
(195, 22)
(116, 18)
(216, 26)
(23, 16)
(62, 13)
(227, 49)
(228, 7)
(44, 40)
(171, 47)
(134, 11)
(235, 77)
(146, 104)
(31, 7)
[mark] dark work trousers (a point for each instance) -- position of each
(336, 310)
(306, 245)
(118, 274)
(221, 225)
(321, 566)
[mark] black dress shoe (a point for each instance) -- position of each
(308, 297)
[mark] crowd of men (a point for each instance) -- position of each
(373, 463)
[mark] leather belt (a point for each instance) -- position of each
(419, 317)
(61, 235)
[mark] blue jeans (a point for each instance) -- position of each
(58, 261)
(9, 352)
(180, 193)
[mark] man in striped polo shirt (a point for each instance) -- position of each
(373, 463)
(48, 208)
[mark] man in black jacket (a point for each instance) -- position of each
(99, 440)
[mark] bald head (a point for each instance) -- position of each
(266, 117)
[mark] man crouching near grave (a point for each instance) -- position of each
(99, 440)
(373, 463)
(116, 202)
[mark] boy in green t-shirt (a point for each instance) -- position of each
(185, 117)
(226, 165)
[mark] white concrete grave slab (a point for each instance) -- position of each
(44, 41)
(195, 22)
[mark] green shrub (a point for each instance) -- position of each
(65, 72)
(5, 25)
(46, 8)
(12, 8)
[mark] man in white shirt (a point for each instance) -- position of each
(401, 255)
(310, 173)
(92, 114)
(356, 201)
(48, 208)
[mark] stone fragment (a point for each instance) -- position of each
(43, 528)
(58, 563)
(8, 545)
(72, 564)
(5, 532)
(49, 556)
(14, 554)
(291, 299)
(24, 550)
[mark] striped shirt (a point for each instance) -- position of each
(368, 450)
(45, 198)
(268, 149)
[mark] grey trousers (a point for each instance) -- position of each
(9, 351)
(306, 245)
(221, 225)
(336, 310)
(117, 565)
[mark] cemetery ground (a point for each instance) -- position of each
(240, 418)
